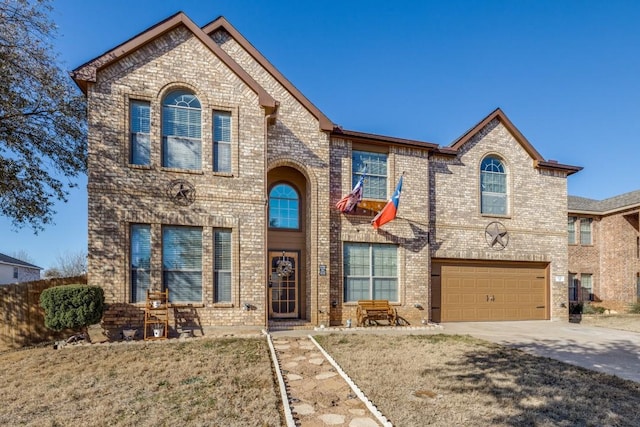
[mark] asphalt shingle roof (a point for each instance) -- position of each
(6, 259)
(575, 203)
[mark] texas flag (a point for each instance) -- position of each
(388, 213)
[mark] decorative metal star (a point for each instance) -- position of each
(181, 192)
(497, 235)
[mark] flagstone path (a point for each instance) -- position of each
(318, 395)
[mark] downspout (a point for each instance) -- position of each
(269, 119)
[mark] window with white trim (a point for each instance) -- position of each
(182, 263)
(181, 131)
(140, 261)
(585, 231)
(376, 173)
(586, 283)
(221, 141)
(222, 265)
(571, 230)
(370, 271)
(140, 132)
(493, 187)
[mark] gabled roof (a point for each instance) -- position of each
(371, 137)
(221, 22)
(87, 72)
(498, 114)
(6, 259)
(604, 207)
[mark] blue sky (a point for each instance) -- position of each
(564, 72)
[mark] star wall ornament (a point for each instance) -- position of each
(497, 235)
(181, 192)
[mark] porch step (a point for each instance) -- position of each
(289, 325)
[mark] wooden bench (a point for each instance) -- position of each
(374, 310)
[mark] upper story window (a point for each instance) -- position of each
(140, 131)
(221, 141)
(571, 230)
(181, 131)
(585, 231)
(376, 169)
(284, 207)
(493, 187)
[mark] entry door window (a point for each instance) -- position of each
(284, 284)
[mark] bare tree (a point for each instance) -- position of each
(42, 117)
(68, 264)
(22, 255)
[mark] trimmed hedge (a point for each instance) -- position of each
(72, 306)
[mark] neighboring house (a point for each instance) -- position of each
(13, 270)
(210, 174)
(604, 250)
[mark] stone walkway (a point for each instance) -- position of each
(318, 395)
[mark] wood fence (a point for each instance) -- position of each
(21, 314)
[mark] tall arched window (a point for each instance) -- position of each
(493, 186)
(181, 131)
(284, 207)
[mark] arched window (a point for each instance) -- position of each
(284, 207)
(181, 131)
(493, 186)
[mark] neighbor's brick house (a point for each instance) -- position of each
(212, 175)
(604, 250)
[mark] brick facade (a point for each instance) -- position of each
(612, 258)
(279, 136)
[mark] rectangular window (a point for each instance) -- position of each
(370, 272)
(587, 287)
(15, 272)
(140, 261)
(221, 141)
(182, 263)
(573, 287)
(571, 230)
(222, 265)
(140, 128)
(585, 231)
(375, 186)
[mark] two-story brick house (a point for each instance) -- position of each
(604, 250)
(211, 175)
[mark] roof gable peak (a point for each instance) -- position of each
(86, 73)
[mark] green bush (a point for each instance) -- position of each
(72, 306)
(592, 309)
(634, 308)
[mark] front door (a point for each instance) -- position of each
(283, 284)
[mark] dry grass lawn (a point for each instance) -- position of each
(625, 322)
(447, 380)
(205, 382)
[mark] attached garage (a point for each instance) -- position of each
(466, 291)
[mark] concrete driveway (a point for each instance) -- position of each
(606, 350)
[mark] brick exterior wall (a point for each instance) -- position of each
(536, 219)
(438, 214)
(612, 259)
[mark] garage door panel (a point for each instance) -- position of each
(472, 292)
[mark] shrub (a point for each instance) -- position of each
(72, 306)
(634, 308)
(592, 309)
